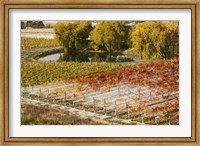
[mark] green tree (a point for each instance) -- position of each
(23, 25)
(153, 40)
(29, 23)
(38, 24)
(170, 38)
(110, 36)
(73, 35)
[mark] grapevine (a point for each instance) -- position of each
(34, 43)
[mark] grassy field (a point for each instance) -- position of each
(43, 115)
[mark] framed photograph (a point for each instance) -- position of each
(100, 72)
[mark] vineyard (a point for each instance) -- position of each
(38, 33)
(37, 73)
(142, 93)
(31, 43)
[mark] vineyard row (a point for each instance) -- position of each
(130, 102)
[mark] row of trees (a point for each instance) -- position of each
(149, 39)
(32, 24)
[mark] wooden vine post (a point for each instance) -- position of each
(116, 108)
(105, 107)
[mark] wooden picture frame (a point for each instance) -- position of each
(4, 98)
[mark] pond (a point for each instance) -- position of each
(88, 57)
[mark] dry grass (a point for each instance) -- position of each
(44, 115)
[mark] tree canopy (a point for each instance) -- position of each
(37, 24)
(29, 23)
(110, 35)
(149, 39)
(152, 40)
(23, 25)
(34, 24)
(73, 35)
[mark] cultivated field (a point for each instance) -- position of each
(45, 33)
(144, 93)
(109, 73)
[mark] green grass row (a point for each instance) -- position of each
(37, 73)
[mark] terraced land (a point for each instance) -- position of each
(140, 94)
